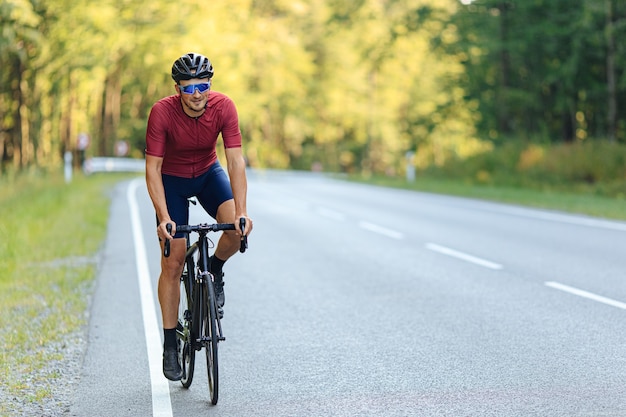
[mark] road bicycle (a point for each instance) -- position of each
(199, 322)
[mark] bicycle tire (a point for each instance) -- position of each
(211, 331)
(186, 335)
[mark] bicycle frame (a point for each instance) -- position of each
(202, 276)
(201, 306)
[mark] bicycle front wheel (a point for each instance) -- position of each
(210, 328)
(184, 329)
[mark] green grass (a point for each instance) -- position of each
(585, 202)
(51, 234)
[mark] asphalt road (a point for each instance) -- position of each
(355, 300)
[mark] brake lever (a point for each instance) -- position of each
(244, 240)
(166, 246)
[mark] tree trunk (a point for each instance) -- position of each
(16, 134)
(3, 133)
(504, 124)
(26, 146)
(610, 73)
(111, 112)
(65, 118)
(569, 126)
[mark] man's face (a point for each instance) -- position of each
(196, 101)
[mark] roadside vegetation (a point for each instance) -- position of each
(352, 86)
(582, 177)
(51, 235)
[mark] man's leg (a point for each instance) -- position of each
(169, 297)
(229, 242)
(227, 246)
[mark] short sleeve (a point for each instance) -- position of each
(156, 132)
(231, 133)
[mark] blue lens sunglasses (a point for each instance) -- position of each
(190, 89)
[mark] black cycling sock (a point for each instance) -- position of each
(216, 265)
(169, 338)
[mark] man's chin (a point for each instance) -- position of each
(196, 107)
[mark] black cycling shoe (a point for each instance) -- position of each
(219, 289)
(220, 299)
(171, 367)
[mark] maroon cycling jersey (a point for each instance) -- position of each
(187, 144)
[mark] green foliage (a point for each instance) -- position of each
(349, 86)
(544, 68)
(589, 167)
(346, 86)
(561, 200)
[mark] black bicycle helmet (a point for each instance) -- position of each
(190, 66)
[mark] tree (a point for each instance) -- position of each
(20, 38)
(556, 72)
(350, 86)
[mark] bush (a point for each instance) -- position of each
(597, 167)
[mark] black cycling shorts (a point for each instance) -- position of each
(211, 189)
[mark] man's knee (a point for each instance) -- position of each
(231, 237)
(173, 264)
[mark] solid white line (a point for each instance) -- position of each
(381, 230)
(463, 256)
(562, 218)
(586, 294)
(161, 402)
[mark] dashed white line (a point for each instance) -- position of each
(586, 294)
(161, 402)
(381, 230)
(330, 214)
(464, 256)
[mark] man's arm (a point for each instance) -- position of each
(154, 183)
(239, 183)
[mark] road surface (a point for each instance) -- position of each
(355, 300)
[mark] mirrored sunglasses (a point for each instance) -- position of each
(190, 89)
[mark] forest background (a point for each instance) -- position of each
(518, 92)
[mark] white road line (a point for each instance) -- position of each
(330, 214)
(381, 230)
(561, 218)
(463, 256)
(161, 402)
(586, 294)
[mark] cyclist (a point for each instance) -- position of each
(181, 162)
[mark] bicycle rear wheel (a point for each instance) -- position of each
(184, 330)
(211, 331)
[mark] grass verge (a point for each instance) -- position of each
(584, 202)
(52, 233)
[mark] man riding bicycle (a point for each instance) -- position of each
(181, 162)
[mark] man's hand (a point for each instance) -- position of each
(247, 226)
(162, 230)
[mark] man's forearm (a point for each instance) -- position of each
(239, 184)
(156, 191)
